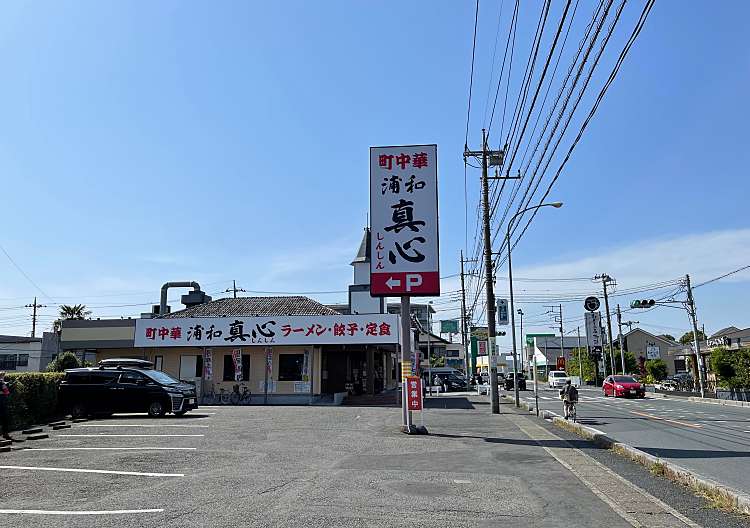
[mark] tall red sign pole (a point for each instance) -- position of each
(405, 244)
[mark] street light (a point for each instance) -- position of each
(556, 205)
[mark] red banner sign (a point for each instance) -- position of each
(561, 363)
(414, 393)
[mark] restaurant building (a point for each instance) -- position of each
(289, 349)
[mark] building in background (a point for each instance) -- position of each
(27, 354)
(644, 344)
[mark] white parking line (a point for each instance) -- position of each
(129, 435)
(74, 512)
(141, 425)
(100, 471)
(107, 449)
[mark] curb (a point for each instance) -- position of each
(695, 399)
(739, 501)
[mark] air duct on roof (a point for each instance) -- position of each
(193, 298)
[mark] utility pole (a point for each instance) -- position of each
(562, 335)
(619, 338)
(33, 316)
(497, 157)
(523, 342)
(234, 289)
(464, 329)
(696, 343)
(557, 314)
(580, 362)
(606, 279)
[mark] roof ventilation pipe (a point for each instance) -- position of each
(193, 298)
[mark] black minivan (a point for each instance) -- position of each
(124, 386)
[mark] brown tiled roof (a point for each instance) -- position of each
(255, 306)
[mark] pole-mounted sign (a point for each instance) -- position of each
(502, 311)
(591, 304)
(404, 221)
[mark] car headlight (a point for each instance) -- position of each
(620, 387)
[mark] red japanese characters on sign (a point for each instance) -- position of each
(414, 393)
(404, 221)
(271, 330)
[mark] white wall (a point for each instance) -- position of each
(33, 349)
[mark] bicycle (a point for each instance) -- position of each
(208, 397)
(222, 398)
(238, 398)
(569, 408)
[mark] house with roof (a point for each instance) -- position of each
(642, 343)
(27, 354)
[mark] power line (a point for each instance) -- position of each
(471, 77)
(22, 272)
(721, 276)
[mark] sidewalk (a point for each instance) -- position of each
(529, 473)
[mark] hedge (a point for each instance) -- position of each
(33, 397)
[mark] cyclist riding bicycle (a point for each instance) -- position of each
(569, 396)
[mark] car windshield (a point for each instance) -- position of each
(160, 377)
(625, 379)
(559, 375)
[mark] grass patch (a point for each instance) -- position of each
(657, 468)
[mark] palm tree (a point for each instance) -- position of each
(76, 311)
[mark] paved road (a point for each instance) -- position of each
(317, 467)
(713, 441)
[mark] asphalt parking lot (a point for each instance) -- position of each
(306, 467)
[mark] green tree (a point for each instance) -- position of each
(67, 311)
(668, 336)
(631, 364)
(580, 355)
(687, 337)
(64, 361)
(657, 369)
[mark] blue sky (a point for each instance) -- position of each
(142, 143)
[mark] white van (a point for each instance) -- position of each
(557, 379)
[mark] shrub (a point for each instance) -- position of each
(732, 367)
(33, 397)
(657, 369)
(66, 360)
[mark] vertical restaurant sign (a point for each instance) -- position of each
(237, 360)
(404, 221)
(414, 393)
(502, 311)
(269, 360)
(208, 366)
(594, 329)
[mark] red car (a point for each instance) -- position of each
(623, 386)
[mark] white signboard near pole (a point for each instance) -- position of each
(594, 329)
(404, 221)
(653, 351)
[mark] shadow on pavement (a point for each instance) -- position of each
(569, 444)
(693, 453)
(448, 403)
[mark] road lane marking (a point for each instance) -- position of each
(460, 481)
(141, 425)
(108, 449)
(128, 435)
(78, 512)
(99, 471)
(696, 426)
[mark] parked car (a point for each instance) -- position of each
(511, 377)
(124, 387)
(623, 386)
(557, 379)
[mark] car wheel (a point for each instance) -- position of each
(156, 409)
(79, 410)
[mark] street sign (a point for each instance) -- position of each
(502, 311)
(404, 221)
(591, 304)
(449, 326)
(414, 393)
(594, 329)
(482, 348)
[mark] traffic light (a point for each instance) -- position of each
(645, 303)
